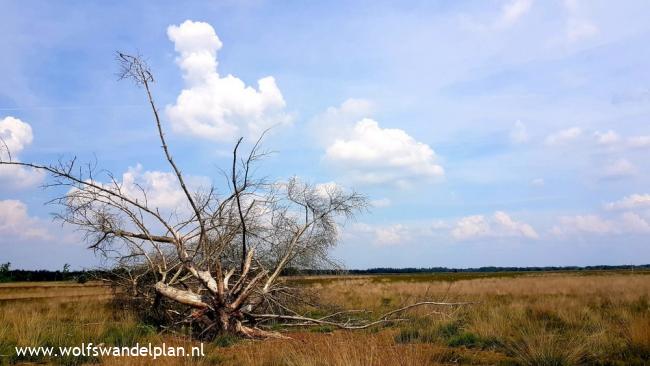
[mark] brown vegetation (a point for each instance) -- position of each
(549, 319)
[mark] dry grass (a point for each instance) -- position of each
(34, 290)
(551, 319)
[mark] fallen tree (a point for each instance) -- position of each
(213, 264)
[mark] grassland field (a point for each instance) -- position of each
(558, 318)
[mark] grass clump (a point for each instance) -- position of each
(322, 329)
(414, 335)
(638, 338)
(226, 340)
(466, 339)
(127, 335)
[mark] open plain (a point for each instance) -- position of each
(565, 318)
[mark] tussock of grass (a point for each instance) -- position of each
(225, 340)
(638, 337)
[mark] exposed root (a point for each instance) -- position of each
(256, 333)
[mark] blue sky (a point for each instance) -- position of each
(510, 132)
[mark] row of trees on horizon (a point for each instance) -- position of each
(22, 275)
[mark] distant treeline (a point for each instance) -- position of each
(410, 270)
(20, 275)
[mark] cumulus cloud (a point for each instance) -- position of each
(611, 139)
(626, 223)
(162, 188)
(339, 121)
(159, 190)
(619, 168)
(583, 223)
(367, 153)
(519, 133)
(399, 233)
(372, 154)
(382, 235)
(633, 222)
(607, 138)
(15, 222)
(634, 201)
(15, 135)
(499, 225)
(471, 227)
(564, 136)
(639, 142)
(391, 235)
(215, 107)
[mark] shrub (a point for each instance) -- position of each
(81, 279)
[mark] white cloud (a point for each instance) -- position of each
(626, 223)
(15, 135)
(639, 141)
(499, 225)
(519, 133)
(470, 227)
(328, 188)
(392, 235)
(578, 27)
(513, 11)
(381, 203)
(17, 177)
(635, 223)
(509, 14)
(438, 225)
(411, 233)
(381, 235)
(214, 107)
(619, 168)
(630, 202)
(372, 154)
(607, 138)
(508, 227)
(162, 188)
(367, 153)
(583, 224)
(16, 223)
(158, 190)
(563, 136)
(339, 121)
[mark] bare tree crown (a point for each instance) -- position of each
(220, 258)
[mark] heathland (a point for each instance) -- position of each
(563, 318)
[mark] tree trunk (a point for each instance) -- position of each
(221, 319)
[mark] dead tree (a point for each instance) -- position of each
(216, 263)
